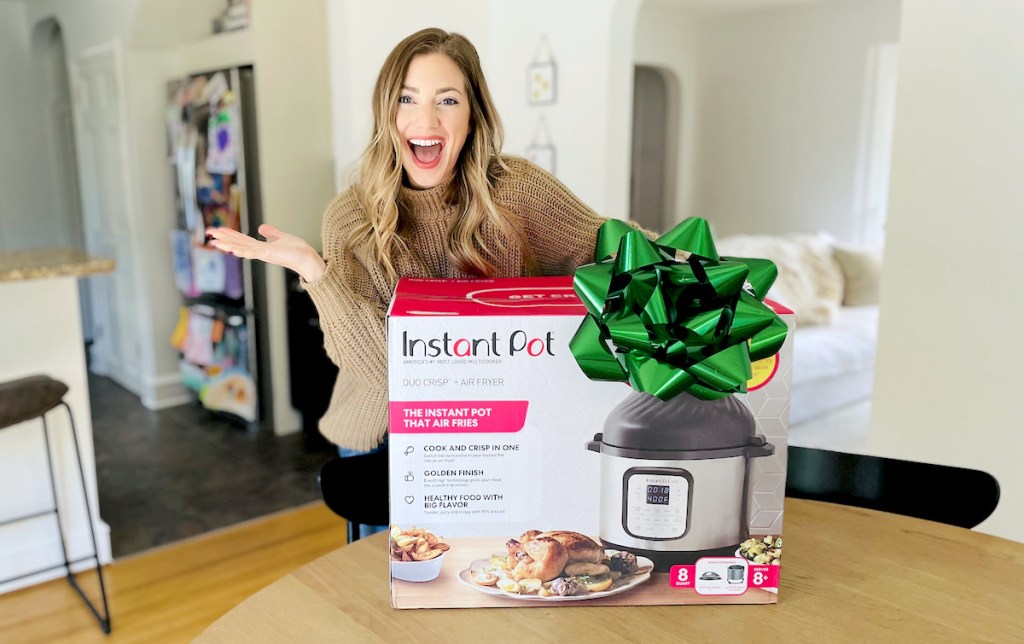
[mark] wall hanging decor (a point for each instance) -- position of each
(541, 150)
(541, 76)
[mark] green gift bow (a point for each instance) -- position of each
(693, 325)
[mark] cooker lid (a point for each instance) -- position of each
(683, 423)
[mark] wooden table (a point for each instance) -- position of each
(848, 575)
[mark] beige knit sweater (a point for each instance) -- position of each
(352, 296)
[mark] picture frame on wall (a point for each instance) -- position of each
(542, 155)
(541, 83)
(541, 150)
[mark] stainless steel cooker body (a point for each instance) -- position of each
(673, 505)
(674, 476)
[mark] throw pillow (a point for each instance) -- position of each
(862, 272)
(810, 280)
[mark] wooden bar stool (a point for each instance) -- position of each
(32, 397)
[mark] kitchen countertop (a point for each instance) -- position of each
(50, 262)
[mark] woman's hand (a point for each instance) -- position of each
(280, 248)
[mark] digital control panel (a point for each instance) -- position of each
(656, 503)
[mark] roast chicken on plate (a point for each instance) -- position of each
(544, 555)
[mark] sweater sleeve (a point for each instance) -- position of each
(561, 229)
(352, 317)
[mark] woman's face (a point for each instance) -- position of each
(432, 119)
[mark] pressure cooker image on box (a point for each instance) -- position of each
(674, 476)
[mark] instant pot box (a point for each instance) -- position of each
(517, 481)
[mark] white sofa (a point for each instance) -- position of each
(834, 364)
(833, 289)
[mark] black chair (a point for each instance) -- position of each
(311, 372)
(954, 495)
(23, 400)
(356, 489)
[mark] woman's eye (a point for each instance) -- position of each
(449, 101)
(405, 99)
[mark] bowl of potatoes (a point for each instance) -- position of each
(762, 550)
(416, 554)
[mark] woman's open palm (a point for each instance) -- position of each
(282, 249)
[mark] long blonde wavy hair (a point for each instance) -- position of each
(479, 166)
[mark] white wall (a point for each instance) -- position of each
(590, 122)
(948, 374)
(296, 165)
(591, 43)
(55, 115)
(668, 39)
(779, 101)
(170, 25)
(42, 335)
(153, 204)
(85, 24)
(27, 202)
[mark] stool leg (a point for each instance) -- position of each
(104, 620)
(53, 494)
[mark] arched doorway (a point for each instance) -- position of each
(55, 100)
(54, 91)
(655, 143)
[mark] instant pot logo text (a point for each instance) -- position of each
(519, 343)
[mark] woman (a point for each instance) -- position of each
(433, 198)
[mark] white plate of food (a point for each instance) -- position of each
(488, 577)
(766, 550)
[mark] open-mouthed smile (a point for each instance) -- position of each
(426, 153)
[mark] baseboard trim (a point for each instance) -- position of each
(46, 552)
(165, 391)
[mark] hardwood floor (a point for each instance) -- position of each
(172, 593)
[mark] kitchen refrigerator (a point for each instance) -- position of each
(221, 334)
